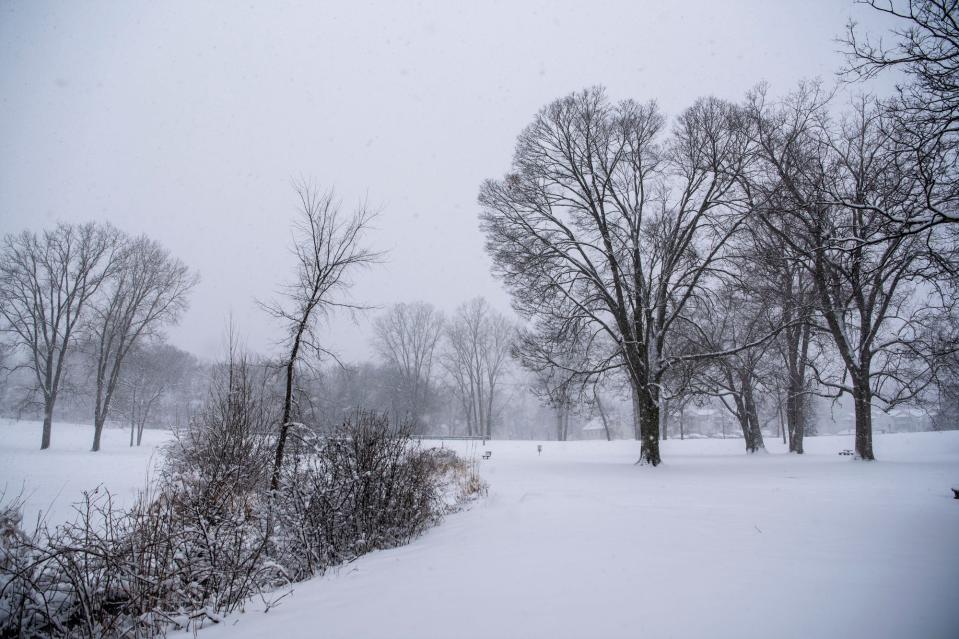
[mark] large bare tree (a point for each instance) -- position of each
(603, 219)
(46, 283)
(406, 336)
(328, 248)
(146, 290)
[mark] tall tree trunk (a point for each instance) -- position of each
(742, 417)
(863, 411)
(99, 419)
(755, 442)
(797, 430)
(795, 418)
(649, 425)
(97, 433)
(47, 423)
(287, 408)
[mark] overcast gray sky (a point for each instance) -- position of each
(187, 121)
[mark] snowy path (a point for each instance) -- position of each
(581, 543)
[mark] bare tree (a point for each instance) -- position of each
(46, 282)
(406, 337)
(561, 369)
(327, 245)
(151, 372)
(846, 203)
(477, 352)
(788, 289)
(147, 289)
(735, 377)
(603, 221)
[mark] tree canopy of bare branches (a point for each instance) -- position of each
(476, 355)
(607, 223)
(146, 289)
(46, 283)
(406, 337)
(925, 112)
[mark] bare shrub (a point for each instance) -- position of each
(210, 534)
(364, 487)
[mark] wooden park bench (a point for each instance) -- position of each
(846, 452)
(487, 454)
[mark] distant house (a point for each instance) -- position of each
(700, 419)
(593, 429)
(907, 420)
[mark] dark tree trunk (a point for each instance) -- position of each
(796, 420)
(287, 407)
(782, 420)
(47, 424)
(863, 411)
(795, 417)
(754, 439)
(742, 417)
(98, 422)
(649, 425)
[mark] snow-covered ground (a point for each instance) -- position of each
(50, 481)
(579, 542)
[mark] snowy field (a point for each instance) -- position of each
(579, 542)
(50, 481)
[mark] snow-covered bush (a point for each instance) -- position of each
(364, 487)
(209, 533)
